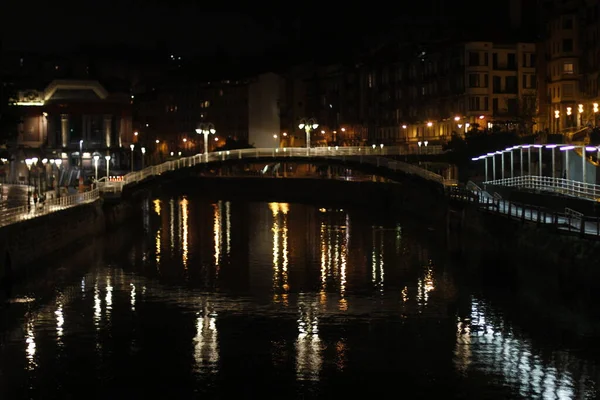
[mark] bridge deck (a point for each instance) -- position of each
(375, 156)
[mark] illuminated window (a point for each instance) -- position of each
(568, 68)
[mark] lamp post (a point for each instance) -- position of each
(96, 158)
(81, 154)
(275, 137)
(143, 149)
(308, 125)
(132, 146)
(206, 129)
(107, 158)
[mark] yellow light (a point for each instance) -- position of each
(430, 124)
(569, 111)
(457, 118)
(30, 103)
(556, 114)
(580, 108)
(595, 107)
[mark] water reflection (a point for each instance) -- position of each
(97, 307)
(218, 236)
(206, 345)
(308, 345)
(279, 229)
(377, 258)
(60, 321)
(484, 341)
(334, 238)
(31, 348)
(332, 331)
(184, 213)
(228, 227)
(172, 224)
(132, 296)
(425, 285)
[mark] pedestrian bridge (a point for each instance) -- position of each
(370, 157)
(367, 157)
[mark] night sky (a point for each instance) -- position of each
(179, 26)
(182, 27)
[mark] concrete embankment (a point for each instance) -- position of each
(30, 243)
(556, 275)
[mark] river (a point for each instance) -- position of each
(220, 299)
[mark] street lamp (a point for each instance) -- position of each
(107, 158)
(96, 158)
(206, 129)
(81, 154)
(308, 125)
(143, 149)
(132, 146)
(275, 136)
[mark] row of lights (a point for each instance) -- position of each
(33, 161)
(457, 119)
(579, 110)
(561, 147)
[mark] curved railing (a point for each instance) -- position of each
(365, 155)
(22, 213)
(562, 186)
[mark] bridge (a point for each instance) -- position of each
(355, 156)
(378, 157)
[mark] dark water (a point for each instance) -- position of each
(216, 300)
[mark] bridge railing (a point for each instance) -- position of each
(370, 155)
(548, 184)
(21, 213)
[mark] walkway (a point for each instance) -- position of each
(17, 214)
(375, 156)
(567, 221)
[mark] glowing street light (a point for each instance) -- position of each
(143, 150)
(96, 158)
(308, 125)
(132, 146)
(206, 129)
(107, 158)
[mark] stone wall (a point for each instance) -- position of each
(28, 242)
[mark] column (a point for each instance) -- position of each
(64, 129)
(107, 129)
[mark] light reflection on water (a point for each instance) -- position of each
(327, 296)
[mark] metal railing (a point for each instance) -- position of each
(548, 184)
(22, 213)
(364, 155)
(568, 222)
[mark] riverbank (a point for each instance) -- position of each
(552, 274)
(29, 244)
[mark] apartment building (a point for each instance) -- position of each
(569, 65)
(441, 91)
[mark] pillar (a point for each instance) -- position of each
(64, 129)
(107, 129)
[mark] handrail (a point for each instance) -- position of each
(365, 155)
(22, 213)
(568, 222)
(567, 187)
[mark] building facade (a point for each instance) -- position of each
(569, 65)
(430, 94)
(72, 121)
